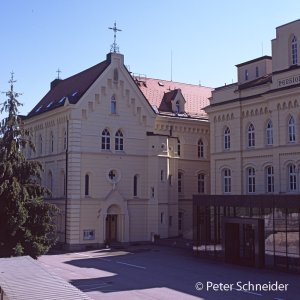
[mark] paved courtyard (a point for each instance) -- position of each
(151, 272)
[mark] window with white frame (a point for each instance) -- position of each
(251, 136)
(292, 178)
(201, 183)
(227, 180)
(294, 51)
(200, 149)
(270, 179)
(291, 130)
(251, 180)
(269, 133)
(227, 138)
(119, 142)
(113, 105)
(105, 141)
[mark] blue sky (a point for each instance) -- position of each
(207, 38)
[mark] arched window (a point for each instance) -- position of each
(269, 133)
(201, 183)
(113, 105)
(292, 178)
(227, 180)
(200, 149)
(251, 136)
(294, 51)
(105, 141)
(227, 138)
(270, 179)
(87, 185)
(119, 145)
(180, 182)
(135, 185)
(178, 147)
(291, 130)
(177, 107)
(251, 180)
(51, 142)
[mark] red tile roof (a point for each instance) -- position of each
(155, 90)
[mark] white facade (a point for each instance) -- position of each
(112, 162)
(255, 123)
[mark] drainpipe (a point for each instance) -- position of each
(66, 182)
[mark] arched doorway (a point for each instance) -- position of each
(112, 224)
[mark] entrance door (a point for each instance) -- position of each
(111, 228)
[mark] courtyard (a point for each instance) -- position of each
(147, 272)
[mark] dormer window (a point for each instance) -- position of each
(246, 75)
(294, 51)
(177, 107)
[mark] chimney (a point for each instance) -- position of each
(54, 83)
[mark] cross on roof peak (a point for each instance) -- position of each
(114, 47)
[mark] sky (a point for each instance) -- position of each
(190, 41)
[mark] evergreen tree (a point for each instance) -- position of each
(26, 221)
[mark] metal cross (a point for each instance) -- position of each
(58, 72)
(114, 47)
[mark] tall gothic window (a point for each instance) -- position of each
(201, 183)
(227, 181)
(113, 105)
(227, 138)
(291, 130)
(294, 51)
(269, 133)
(135, 185)
(251, 136)
(251, 180)
(292, 178)
(200, 149)
(86, 185)
(119, 142)
(105, 141)
(270, 179)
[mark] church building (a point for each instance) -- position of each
(122, 154)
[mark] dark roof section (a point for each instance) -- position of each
(259, 81)
(72, 88)
(254, 60)
(166, 103)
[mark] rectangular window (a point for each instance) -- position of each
(88, 234)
